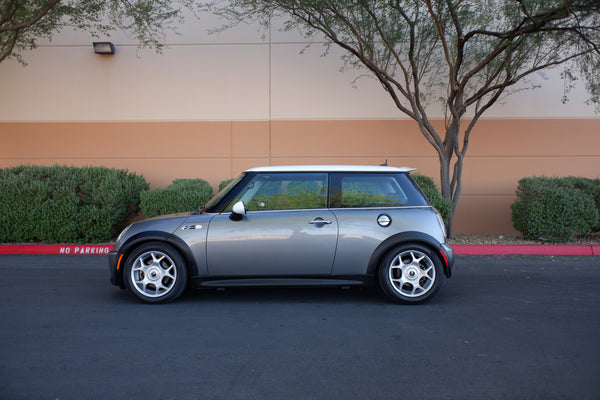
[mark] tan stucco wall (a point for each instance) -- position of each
(501, 152)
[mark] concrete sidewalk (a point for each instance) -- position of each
(104, 249)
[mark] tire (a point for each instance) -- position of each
(410, 274)
(155, 273)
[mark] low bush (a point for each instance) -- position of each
(555, 209)
(62, 204)
(224, 183)
(430, 190)
(590, 187)
(181, 196)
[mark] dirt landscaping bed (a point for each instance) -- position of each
(514, 239)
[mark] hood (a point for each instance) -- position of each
(175, 215)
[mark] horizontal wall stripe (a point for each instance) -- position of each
(501, 152)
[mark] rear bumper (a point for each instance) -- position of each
(448, 259)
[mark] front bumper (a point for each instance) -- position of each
(115, 276)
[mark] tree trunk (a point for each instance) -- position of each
(450, 179)
(446, 187)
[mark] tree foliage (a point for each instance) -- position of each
(24, 22)
(465, 53)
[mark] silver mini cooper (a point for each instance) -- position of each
(293, 226)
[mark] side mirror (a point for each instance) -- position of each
(238, 211)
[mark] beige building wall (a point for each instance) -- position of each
(211, 106)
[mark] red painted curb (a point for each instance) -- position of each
(50, 249)
(546, 250)
(479, 250)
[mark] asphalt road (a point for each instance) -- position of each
(518, 327)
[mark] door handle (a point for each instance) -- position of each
(320, 221)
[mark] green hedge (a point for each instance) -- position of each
(590, 187)
(181, 196)
(224, 183)
(62, 204)
(430, 190)
(556, 209)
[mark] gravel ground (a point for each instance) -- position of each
(514, 239)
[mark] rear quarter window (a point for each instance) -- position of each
(360, 190)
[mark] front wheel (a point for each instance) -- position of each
(155, 273)
(410, 274)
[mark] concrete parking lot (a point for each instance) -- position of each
(511, 327)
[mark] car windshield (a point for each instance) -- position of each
(223, 192)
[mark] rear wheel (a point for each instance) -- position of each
(411, 274)
(155, 273)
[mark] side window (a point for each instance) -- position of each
(369, 190)
(284, 191)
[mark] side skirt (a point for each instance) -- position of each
(286, 281)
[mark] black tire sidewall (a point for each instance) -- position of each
(391, 292)
(180, 281)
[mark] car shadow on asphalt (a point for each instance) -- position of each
(324, 295)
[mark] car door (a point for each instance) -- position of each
(287, 229)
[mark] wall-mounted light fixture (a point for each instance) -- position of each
(104, 48)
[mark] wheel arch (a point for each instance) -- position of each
(418, 238)
(154, 236)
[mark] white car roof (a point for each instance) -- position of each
(330, 168)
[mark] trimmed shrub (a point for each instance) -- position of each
(62, 204)
(554, 209)
(430, 190)
(224, 183)
(590, 187)
(181, 195)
